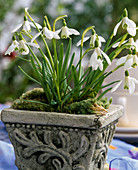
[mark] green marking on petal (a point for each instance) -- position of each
(126, 87)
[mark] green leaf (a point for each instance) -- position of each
(110, 84)
(70, 65)
(75, 76)
(23, 59)
(61, 54)
(104, 93)
(29, 77)
(33, 101)
(65, 64)
(36, 70)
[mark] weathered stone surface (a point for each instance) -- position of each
(56, 141)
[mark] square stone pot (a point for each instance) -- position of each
(60, 141)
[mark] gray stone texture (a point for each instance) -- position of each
(59, 141)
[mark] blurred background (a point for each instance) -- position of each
(103, 14)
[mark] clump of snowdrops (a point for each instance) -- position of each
(54, 70)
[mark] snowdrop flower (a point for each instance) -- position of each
(130, 60)
(13, 47)
(130, 42)
(66, 32)
(92, 38)
(26, 25)
(46, 33)
(96, 58)
(127, 24)
(129, 83)
(95, 62)
(23, 48)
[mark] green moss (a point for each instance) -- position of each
(89, 106)
(37, 94)
(28, 101)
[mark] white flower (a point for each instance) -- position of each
(95, 60)
(95, 63)
(12, 47)
(47, 34)
(26, 25)
(130, 42)
(127, 24)
(92, 40)
(136, 45)
(23, 49)
(50, 34)
(66, 32)
(130, 60)
(129, 83)
(21, 46)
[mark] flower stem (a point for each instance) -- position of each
(60, 17)
(81, 48)
(108, 42)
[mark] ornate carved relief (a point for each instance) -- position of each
(46, 149)
(103, 141)
(60, 148)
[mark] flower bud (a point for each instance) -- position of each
(20, 37)
(25, 18)
(125, 13)
(126, 73)
(13, 37)
(134, 52)
(96, 43)
(130, 51)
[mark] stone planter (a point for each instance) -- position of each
(59, 141)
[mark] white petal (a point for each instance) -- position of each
(131, 31)
(116, 28)
(73, 31)
(101, 39)
(55, 35)
(95, 66)
(121, 60)
(65, 32)
(23, 49)
(58, 31)
(85, 39)
(48, 34)
(36, 36)
(100, 64)
(116, 44)
(10, 49)
(92, 41)
(26, 26)
(116, 86)
(130, 23)
(32, 44)
(134, 80)
(94, 55)
(15, 29)
(131, 87)
(106, 57)
(93, 59)
(25, 52)
(38, 25)
(128, 63)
